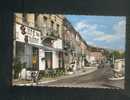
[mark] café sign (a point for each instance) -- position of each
(32, 35)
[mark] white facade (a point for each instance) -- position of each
(119, 68)
(25, 51)
(41, 59)
(91, 59)
(58, 44)
(119, 65)
(23, 74)
(34, 36)
(19, 35)
(55, 59)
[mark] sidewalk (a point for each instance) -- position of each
(80, 72)
(118, 84)
(119, 78)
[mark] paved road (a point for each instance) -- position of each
(97, 79)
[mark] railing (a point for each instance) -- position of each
(49, 33)
(53, 33)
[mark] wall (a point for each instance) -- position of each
(58, 44)
(30, 20)
(55, 58)
(28, 55)
(119, 63)
(20, 51)
(92, 59)
(25, 53)
(41, 62)
(19, 17)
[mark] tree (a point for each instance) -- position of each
(17, 67)
(117, 55)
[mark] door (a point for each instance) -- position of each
(48, 57)
(35, 58)
(61, 61)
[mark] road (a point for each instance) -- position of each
(97, 79)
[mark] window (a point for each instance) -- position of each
(44, 21)
(58, 30)
(36, 20)
(24, 17)
(52, 25)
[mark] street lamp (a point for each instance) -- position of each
(113, 59)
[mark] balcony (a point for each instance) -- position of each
(49, 33)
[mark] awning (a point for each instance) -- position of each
(47, 48)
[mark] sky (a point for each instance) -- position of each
(101, 31)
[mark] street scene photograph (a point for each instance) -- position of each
(57, 50)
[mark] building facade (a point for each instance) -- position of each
(75, 47)
(27, 40)
(38, 40)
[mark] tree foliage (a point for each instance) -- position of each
(17, 66)
(117, 55)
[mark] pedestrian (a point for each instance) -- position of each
(33, 76)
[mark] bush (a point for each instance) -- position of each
(17, 67)
(54, 72)
(60, 71)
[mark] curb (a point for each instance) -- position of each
(64, 77)
(68, 76)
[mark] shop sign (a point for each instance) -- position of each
(34, 36)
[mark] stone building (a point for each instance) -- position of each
(49, 41)
(38, 40)
(98, 56)
(74, 46)
(51, 27)
(68, 43)
(27, 40)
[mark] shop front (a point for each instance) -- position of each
(30, 50)
(27, 46)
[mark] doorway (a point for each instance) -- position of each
(48, 62)
(35, 58)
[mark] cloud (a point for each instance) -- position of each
(120, 28)
(106, 38)
(101, 36)
(93, 36)
(102, 26)
(90, 30)
(91, 43)
(84, 25)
